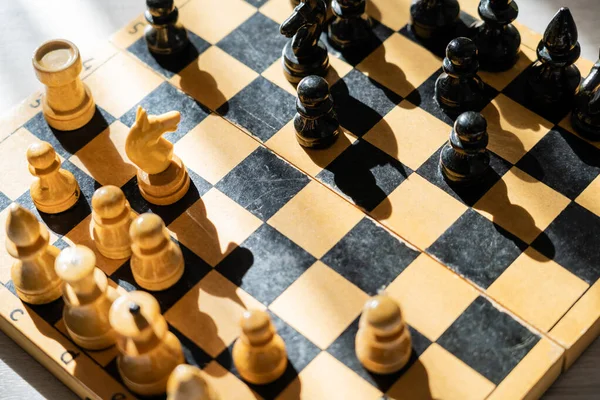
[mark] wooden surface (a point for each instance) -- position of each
(29, 22)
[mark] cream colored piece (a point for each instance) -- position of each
(187, 383)
(148, 351)
(157, 261)
(111, 219)
(33, 272)
(68, 103)
(383, 343)
(259, 354)
(87, 298)
(54, 189)
(162, 177)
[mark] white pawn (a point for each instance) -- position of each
(383, 343)
(54, 189)
(33, 272)
(187, 383)
(111, 219)
(87, 298)
(156, 262)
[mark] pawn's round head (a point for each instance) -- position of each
(256, 326)
(186, 382)
(40, 155)
(147, 231)
(461, 51)
(109, 201)
(75, 263)
(470, 125)
(313, 89)
(383, 314)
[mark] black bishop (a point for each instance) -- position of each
(554, 78)
(496, 38)
(316, 123)
(459, 88)
(586, 110)
(465, 159)
(164, 35)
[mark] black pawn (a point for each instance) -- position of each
(351, 27)
(459, 88)
(305, 54)
(554, 77)
(164, 35)
(316, 123)
(464, 159)
(586, 110)
(434, 19)
(496, 38)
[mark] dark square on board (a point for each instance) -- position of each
(344, 350)
(360, 102)
(4, 201)
(256, 3)
(262, 183)
(573, 240)
(469, 195)
(167, 98)
(369, 256)
(69, 142)
(169, 64)
(364, 174)
(477, 249)
(262, 108)
(488, 340)
(265, 264)
(256, 43)
(562, 161)
(195, 270)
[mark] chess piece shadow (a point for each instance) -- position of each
(64, 222)
(526, 222)
(419, 381)
(202, 86)
(175, 63)
(72, 141)
(373, 11)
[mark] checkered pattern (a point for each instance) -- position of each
(485, 276)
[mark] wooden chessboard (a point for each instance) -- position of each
(499, 283)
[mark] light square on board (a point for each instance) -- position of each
(209, 313)
(320, 304)
(327, 378)
(499, 80)
(214, 147)
(521, 204)
(104, 158)
(213, 226)
(419, 211)
(337, 70)
(439, 374)
(214, 77)
(390, 66)
(277, 10)
(212, 20)
(81, 234)
(311, 161)
(227, 385)
(15, 178)
(589, 197)
(409, 134)
(513, 130)
(537, 289)
(316, 218)
(431, 296)
(394, 14)
(134, 80)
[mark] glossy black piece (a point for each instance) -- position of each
(434, 19)
(305, 54)
(351, 27)
(554, 78)
(316, 123)
(164, 35)
(464, 159)
(586, 110)
(459, 88)
(496, 38)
